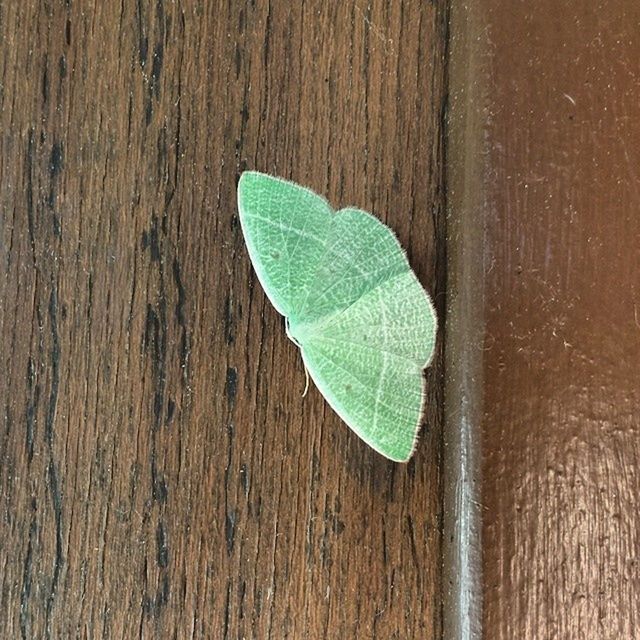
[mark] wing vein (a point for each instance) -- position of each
(353, 263)
(277, 224)
(365, 385)
(324, 338)
(383, 370)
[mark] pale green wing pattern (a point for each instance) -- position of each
(367, 360)
(286, 228)
(360, 254)
(364, 323)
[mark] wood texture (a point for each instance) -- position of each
(551, 187)
(161, 475)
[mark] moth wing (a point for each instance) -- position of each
(286, 227)
(368, 360)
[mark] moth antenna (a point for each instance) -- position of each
(306, 374)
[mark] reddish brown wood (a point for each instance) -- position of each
(161, 475)
(548, 186)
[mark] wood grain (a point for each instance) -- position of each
(161, 475)
(551, 188)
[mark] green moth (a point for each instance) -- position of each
(364, 324)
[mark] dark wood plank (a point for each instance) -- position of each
(545, 161)
(161, 475)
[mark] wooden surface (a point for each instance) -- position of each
(551, 186)
(161, 475)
